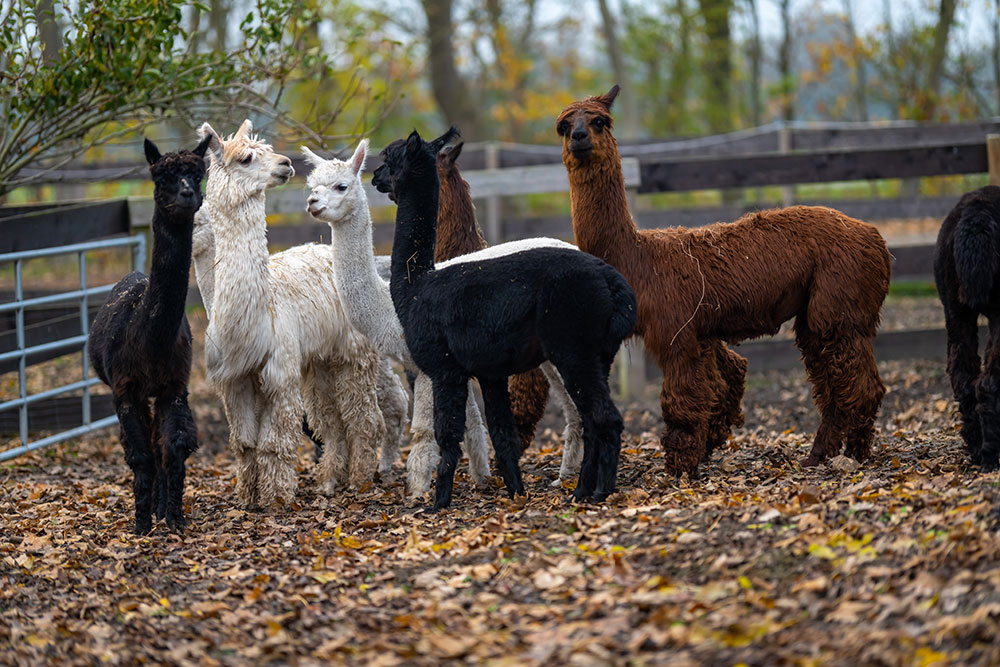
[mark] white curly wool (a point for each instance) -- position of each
(338, 198)
(278, 342)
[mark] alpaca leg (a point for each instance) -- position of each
(240, 399)
(156, 440)
(726, 412)
(311, 434)
(134, 420)
(988, 400)
(823, 376)
(320, 384)
(393, 403)
(529, 392)
(964, 369)
(859, 395)
(449, 424)
(280, 424)
(573, 434)
(363, 423)
(424, 454)
(685, 402)
(180, 439)
(503, 432)
(475, 443)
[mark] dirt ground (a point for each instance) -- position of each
(756, 561)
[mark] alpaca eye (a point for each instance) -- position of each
(563, 128)
(599, 123)
(247, 160)
(342, 187)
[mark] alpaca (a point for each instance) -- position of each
(140, 345)
(492, 317)
(965, 270)
(279, 338)
(392, 399)
(458, 234)
(699, 288)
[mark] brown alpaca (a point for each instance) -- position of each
(729, 282)
(458, 233)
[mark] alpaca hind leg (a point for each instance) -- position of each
(424, 454)
(824, 374)
(394, 404)
(449, 424)
(318, 390)
(860, 396)
(475, 444)
(529, 391)
(988, 400)
(964, 368)
(180, 439)
(727, 412)
(503, 432)
(364, 427)
(240, 400)
(573, 433)
(280, 424)
(134, 420)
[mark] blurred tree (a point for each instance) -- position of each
(450, 88)
(717, 64)
(930, 94)
(629, 122)
(786, 91)
(857, 55)
(755, 57)
(123, 65)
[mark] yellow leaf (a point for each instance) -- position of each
(926, 657)
(165, 602)
(745, 583)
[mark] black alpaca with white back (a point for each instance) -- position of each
(140, 345)
(965, 270)
(495, 317)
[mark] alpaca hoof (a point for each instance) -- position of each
(176, 524)
(581, 494)
(989, 465)
(601, 496)
(143, 527)
(812, 461)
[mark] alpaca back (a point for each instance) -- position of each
(968, 244)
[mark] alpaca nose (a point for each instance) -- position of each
(313, 199)
(579, 134)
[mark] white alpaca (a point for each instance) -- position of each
(338, 198)
(278, 338)
(392, 399)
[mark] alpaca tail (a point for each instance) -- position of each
(623, 318)
(976, 255)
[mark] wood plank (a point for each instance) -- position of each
(64, 224)
(820, 167)
(840, 136)
(56, 414)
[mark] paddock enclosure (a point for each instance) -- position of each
(755, 561)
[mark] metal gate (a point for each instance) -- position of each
(64, 345)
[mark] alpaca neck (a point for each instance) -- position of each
(458, 231)
(413, 242)
(203, 258)
(602, 223)
(363, 294)
(168, 278)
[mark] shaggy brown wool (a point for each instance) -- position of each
(459, 234)
(729, 282)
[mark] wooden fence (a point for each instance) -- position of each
(772, 155)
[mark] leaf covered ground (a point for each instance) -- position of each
(757, 561)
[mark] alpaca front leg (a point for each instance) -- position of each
(393, 403)
(240, 400)
(365, 427)
(572, 456)
(134, 420)
(503, 433)
(319, 388)
(475, 444)
(180, 437)
(424, 455)
(280, 424)
(684, 403)
(449, 424)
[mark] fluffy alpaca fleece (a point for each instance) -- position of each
(492, 318)
(279, 338)
(140, 345)
(338, 198)
(730, 282)
(965, 270)
(392, 399)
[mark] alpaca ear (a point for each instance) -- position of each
(608, 98)
(413, 143)
(245, 129)
(438, 144)
(360, 155)
(311, 157)
(152, 152)
(450, 153)
(214, 142)
(202, 147)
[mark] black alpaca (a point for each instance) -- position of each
(496, 317)
(140, 344)
(965, 270)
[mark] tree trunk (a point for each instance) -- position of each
(450, 91)
(932, 91)
(861, 80)
(48, 26)
(629, 124)
(717, 64)
(785, 64)
(680, 71)
(756, 103)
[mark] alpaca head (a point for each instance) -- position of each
(336, 186)
(243, 165)
(177, 177)
(410, 157)
(585, 128)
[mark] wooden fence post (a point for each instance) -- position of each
(993, 157)
(493, 201)
(785, 146)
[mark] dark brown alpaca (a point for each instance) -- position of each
(459, 234)
(698, 288)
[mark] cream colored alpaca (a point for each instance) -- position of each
(338, 198)
(277, 337)
(392, 399)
